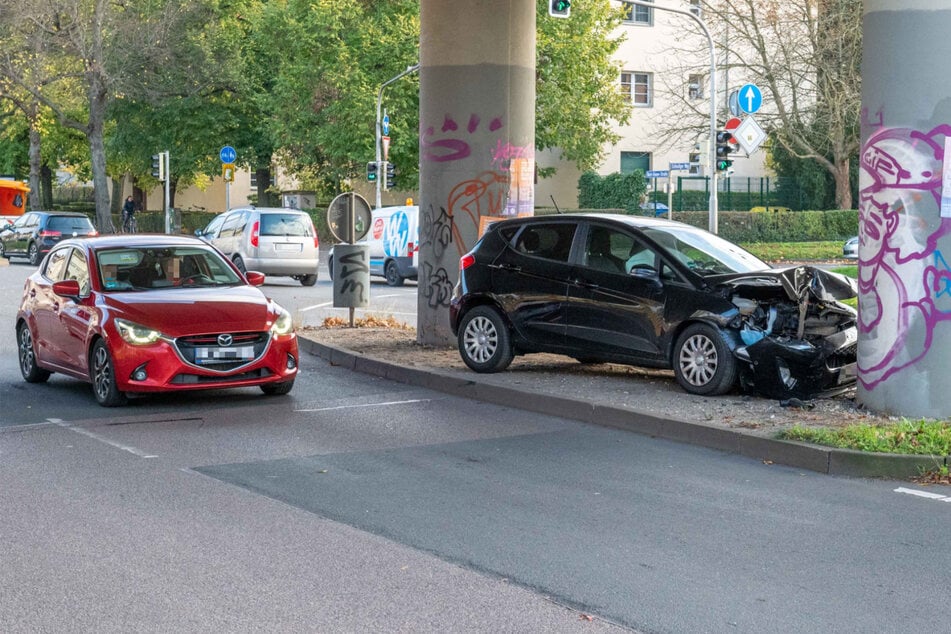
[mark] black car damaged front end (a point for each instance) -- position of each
(791, 332)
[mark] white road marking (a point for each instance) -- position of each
(924, 494)
(95, 436)
(327, 409)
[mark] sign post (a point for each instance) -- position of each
(348, 218)
(228, 155)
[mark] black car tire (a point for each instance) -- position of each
(104, 377)
(3, 251)
(238, 262)
(277, 389)
(703, 363)
(392, 274)
(485, 343)
(26, 353)
(33, 252)
(308, 280)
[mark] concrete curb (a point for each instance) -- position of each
(841, 462)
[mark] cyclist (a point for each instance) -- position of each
(128, 215)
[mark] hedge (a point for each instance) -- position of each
(736, 226)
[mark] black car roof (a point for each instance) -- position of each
(639, 222)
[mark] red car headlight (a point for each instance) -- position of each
(284, 324)
(136, 334)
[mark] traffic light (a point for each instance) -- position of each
(724, 147)
(390, 175)
(559, 8)
(158, 167)
(372, 169)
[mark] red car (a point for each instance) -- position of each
(152, 313)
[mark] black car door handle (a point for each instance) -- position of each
(510, 267)
(585, 284)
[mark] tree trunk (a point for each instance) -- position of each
(46, 187)
(263, 175)
(97, 152)
(843, 184)
(35, 200)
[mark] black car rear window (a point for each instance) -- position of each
(550, 241)
(285, 225)
(69, 224)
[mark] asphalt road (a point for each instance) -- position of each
(356, 504)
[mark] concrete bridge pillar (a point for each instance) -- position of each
(904, 347)
(476, 137)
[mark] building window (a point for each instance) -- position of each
(633, 161)
(636, 88)
(637, 14)
(695, 87)
(695, 8)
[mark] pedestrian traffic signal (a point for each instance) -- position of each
(390, 175)
(559, 8)
(372, 168)
(724, 148)
(158, 167)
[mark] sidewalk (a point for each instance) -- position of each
(646, 404)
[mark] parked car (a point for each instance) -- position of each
(33, 234)
(652, 292)
(393, 241)
(274, 241)
(656, 208)
(851, 248)
(135, 314)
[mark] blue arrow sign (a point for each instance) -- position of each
(227, 154)
(657, 174)
(386, 125)
(751, 98)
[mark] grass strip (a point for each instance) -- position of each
(920, 438)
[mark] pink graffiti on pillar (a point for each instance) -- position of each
(903, 276)
(439, 149)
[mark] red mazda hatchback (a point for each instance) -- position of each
(152, 313)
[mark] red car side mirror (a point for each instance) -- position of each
(66, 288)
(255, 278)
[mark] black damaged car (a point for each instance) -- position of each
(656, 293)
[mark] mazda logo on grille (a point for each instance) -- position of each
(225, 340)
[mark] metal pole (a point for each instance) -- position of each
(379, 107)
(351, 231)
(713, 222)
(168, 206)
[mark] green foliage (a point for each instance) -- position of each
(577, 104)
(795, 251)
(797, 226)
(614, 191)
(929, 438)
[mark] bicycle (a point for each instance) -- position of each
(129, 224)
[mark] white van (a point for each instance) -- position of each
(394, 244)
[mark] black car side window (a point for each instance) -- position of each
(549, 241)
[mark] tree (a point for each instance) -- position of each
(804, 54)
(75, 57)
(331, 58)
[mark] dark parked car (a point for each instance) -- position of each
(651, 292)
(34, 233)
(145, 314)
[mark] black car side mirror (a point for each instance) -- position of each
(645, 272)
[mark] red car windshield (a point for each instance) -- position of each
(147, 268)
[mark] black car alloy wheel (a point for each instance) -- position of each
(484, 340)
(703, 363)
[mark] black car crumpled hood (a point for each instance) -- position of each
(798, 282)
(792, 330)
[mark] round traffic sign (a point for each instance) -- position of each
(349, 210)
(751, 98)
(227, 154)
(732, 123)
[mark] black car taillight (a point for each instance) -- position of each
(466, 261)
